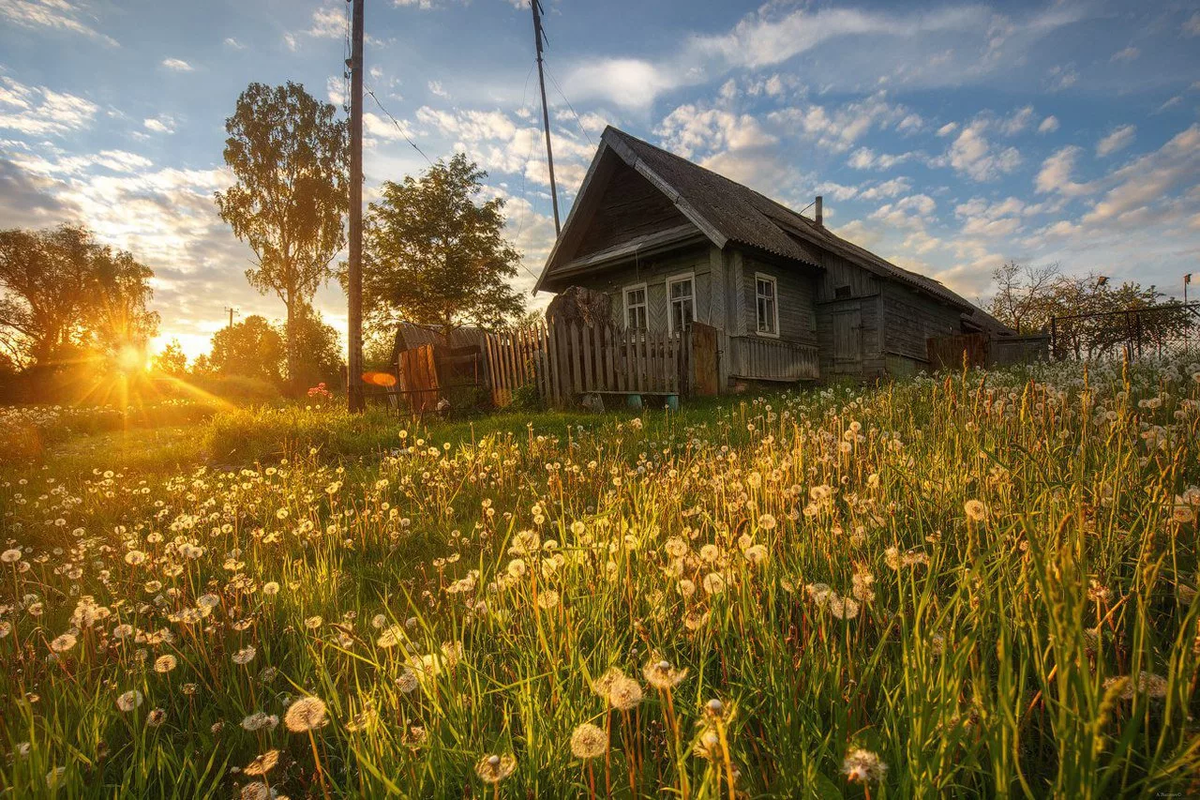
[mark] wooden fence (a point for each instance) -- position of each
(756, 358)
(565, 360)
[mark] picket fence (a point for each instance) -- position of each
(565, 359)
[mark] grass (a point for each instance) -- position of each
(979, 584)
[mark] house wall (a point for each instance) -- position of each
(910, 319)
(861, 295)
(796, 289)
(654, 272)
(630, 207)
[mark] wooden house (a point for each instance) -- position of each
(673, 243)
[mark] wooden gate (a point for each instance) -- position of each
(419, 378)
(948, 352)
(704, 378)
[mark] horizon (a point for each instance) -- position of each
(947, 139)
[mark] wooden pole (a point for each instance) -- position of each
(354, 370)
(538, 35)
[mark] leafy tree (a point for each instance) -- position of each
(289, 156)
(63, 294)
(435, 255)
(318, 349)
(251, 348)
(171, 360)
(1087, 310)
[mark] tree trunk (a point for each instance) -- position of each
(290, 346)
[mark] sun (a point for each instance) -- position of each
(132, 360)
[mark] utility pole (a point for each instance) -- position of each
(232, 311)
(538, 36)
(354, 370)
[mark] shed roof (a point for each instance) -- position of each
(727, 211)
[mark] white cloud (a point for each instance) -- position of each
(1192, 26)
(38, 111)
(289, 41)
(1049, 125)
(234, 44)
(866, 158)
(329, 22)
(689, 129)
(971, 154)
(1128, 54)
(62, 15)
(1055, 174)
(163, 123)
(838, 128)
(1018, 121)
(1061, 77)
(1149, 179)
(1118, 139)
(872, 47)
(435, 87)
(177, 65)
(890, 188)
(947, 129)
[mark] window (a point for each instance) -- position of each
(766, 305)
(635, 307)
(842, 292)
(681, 296)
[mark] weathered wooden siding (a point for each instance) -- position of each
(840, 273)
(630, 207)
(829, 315)
(910, 319)
(654, 273)
(796, 287)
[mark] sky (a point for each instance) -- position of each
(947, 137)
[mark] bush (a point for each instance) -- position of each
(526, 398)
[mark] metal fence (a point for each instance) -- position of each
(1133, 333)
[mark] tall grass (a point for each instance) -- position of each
(972, 585)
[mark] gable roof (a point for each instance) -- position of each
(726, 211)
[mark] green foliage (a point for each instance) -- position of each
(435, 255)
(171, 360)
(251, 349)
(527, 398)
(985, 581)
(64, 297)
(288, 153)
(318, 350)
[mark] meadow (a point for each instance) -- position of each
(974, 584)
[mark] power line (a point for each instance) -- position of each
(561, 94)
(399, 127)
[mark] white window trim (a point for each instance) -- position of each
(633, 287)
(775, 283)
(680, 278)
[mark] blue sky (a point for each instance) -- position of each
(947, 137)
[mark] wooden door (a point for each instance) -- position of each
(847, 340)
(704, 359)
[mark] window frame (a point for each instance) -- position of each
(689, 277)
(645, 304)
(774, 281)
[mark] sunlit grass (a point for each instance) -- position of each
(973, 585)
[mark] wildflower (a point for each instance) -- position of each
(714, 583)
(62, 644)
(548, 599)
(976, 510)
(493, 769)
(625, 694)
(767, 522)
(156, 717)
(165, 663)
(10, 556)
(661, 675)
(262, 764)
(135, 557)
(306, 714)
(270, 588)
(54, 777)
(312, 623)
(407, 682)
(756, 554)
(588, 741)
(843, 607)
(245, 655)
(260, 720)
(128, 701)
(863, 766)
